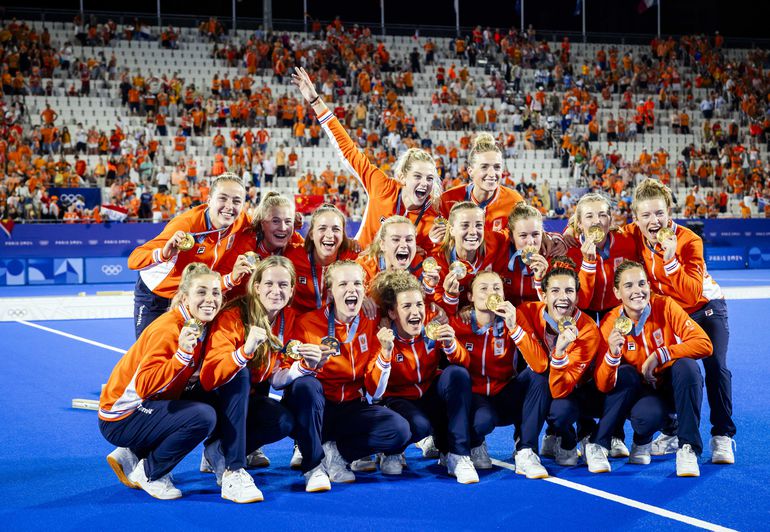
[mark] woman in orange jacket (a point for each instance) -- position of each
(501, 395)
(674, 261)
(660, 345)
(217, 233)
(571, 339)
(432, 400)
(158, 405)
(262, 312)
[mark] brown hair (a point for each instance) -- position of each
(561, 265)
(387, 285)
(326, 208)
(522, 211)
(622, 268)
(227, 177)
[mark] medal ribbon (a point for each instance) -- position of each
(352, 330)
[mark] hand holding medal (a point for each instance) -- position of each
(667, 238)
(188, 336)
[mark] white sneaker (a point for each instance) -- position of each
(363, 465)
(162, 488)
(565, 457)
(721, 450)
(296, 458)
(428, 447)
(317, 480)
(123, 461)
(640, 454)
(528, 464)
(238, 486)
(461, 467)
(548, 446)
(390, 464)
(687, 462)
(213, 460)
(480, 457)
(664, 444)
(335, 465)
(257, 459)
(618, 448)
(595, 457)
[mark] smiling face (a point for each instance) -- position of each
(327, 235)
(651, 216)
(274, 289)
(527, 232)
(487, 171)
(418, 182)
(347, 290)
(561, 296)
(485, 284)
(594, 213)
(398, 245)
(226, 204)
(633, 290)
(467, 229)
(204, 298)
(277, 227)
(409, 313)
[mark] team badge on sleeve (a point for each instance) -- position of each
(362, 342)
(657, 335)
(499, 347)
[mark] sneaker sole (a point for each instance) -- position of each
(367, 469)
(163, 498)
(599, 471)
(688, 474)
(319, 489)
(483, 466)
(472, 481)
(342, 481)
(532, 477)
(640, 462)
(258, 465)
(723, 461)
(295, 466)
(256, 499)
(620, 455)
(118, 469)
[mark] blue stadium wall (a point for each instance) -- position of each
(90, 253)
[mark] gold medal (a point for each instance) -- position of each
(292, 350)
(623, 325)
(187, 243)
(527, 252)
(459, 269)
(664, 234)
(429, 265)
(493, 302)
(596, 233)
(195, 325)
(439, 220)
(566, 321)
(330, 342)
(252, 258)
(431, 330)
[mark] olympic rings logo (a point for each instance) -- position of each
(71, 198)
(111, 269)
(17, 312)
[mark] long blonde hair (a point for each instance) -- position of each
(405, 162)
(253, 311)
(448, 242)
(269, 200)
(375, 248)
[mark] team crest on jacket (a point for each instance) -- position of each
(658, 337)
(230, 241)
(363, 343)
(497, 225)
(499, 347)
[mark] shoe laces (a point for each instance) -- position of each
(724, 444)
(596, 452)
(528, 455)
(239, 477)
(687, 451)
(166, 481)
(464, 462)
